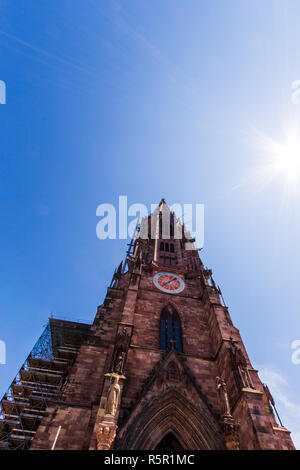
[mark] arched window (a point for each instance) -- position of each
(162, 246)
(167, 247)
(172, 248)
(170, 329)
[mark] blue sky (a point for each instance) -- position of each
(150, 99)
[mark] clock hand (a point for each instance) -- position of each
(171, 280)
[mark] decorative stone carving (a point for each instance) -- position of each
(121, 347)
(106, 434)
(230, 433)
(228, 426)
(207, 273)
(119, 362)
(173, 374)
(123, 336)
(240, 367)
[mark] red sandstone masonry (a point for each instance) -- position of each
(207, 335)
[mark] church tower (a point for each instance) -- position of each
(162, 366)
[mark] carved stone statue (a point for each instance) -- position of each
(113, 398)
(119, 362)
(121, 347)
(229, 428)
(222, 389)
(241, 367)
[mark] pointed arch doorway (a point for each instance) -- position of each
(169, 443)
(170, 421)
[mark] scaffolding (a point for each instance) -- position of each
(38, 382)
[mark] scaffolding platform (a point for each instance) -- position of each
(39, 380)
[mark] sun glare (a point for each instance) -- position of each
(287, 159)
(281, 157)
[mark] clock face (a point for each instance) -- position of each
(168, 282)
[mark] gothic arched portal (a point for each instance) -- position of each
(170, 415)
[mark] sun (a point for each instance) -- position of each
(280, 157)
(286, 158)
